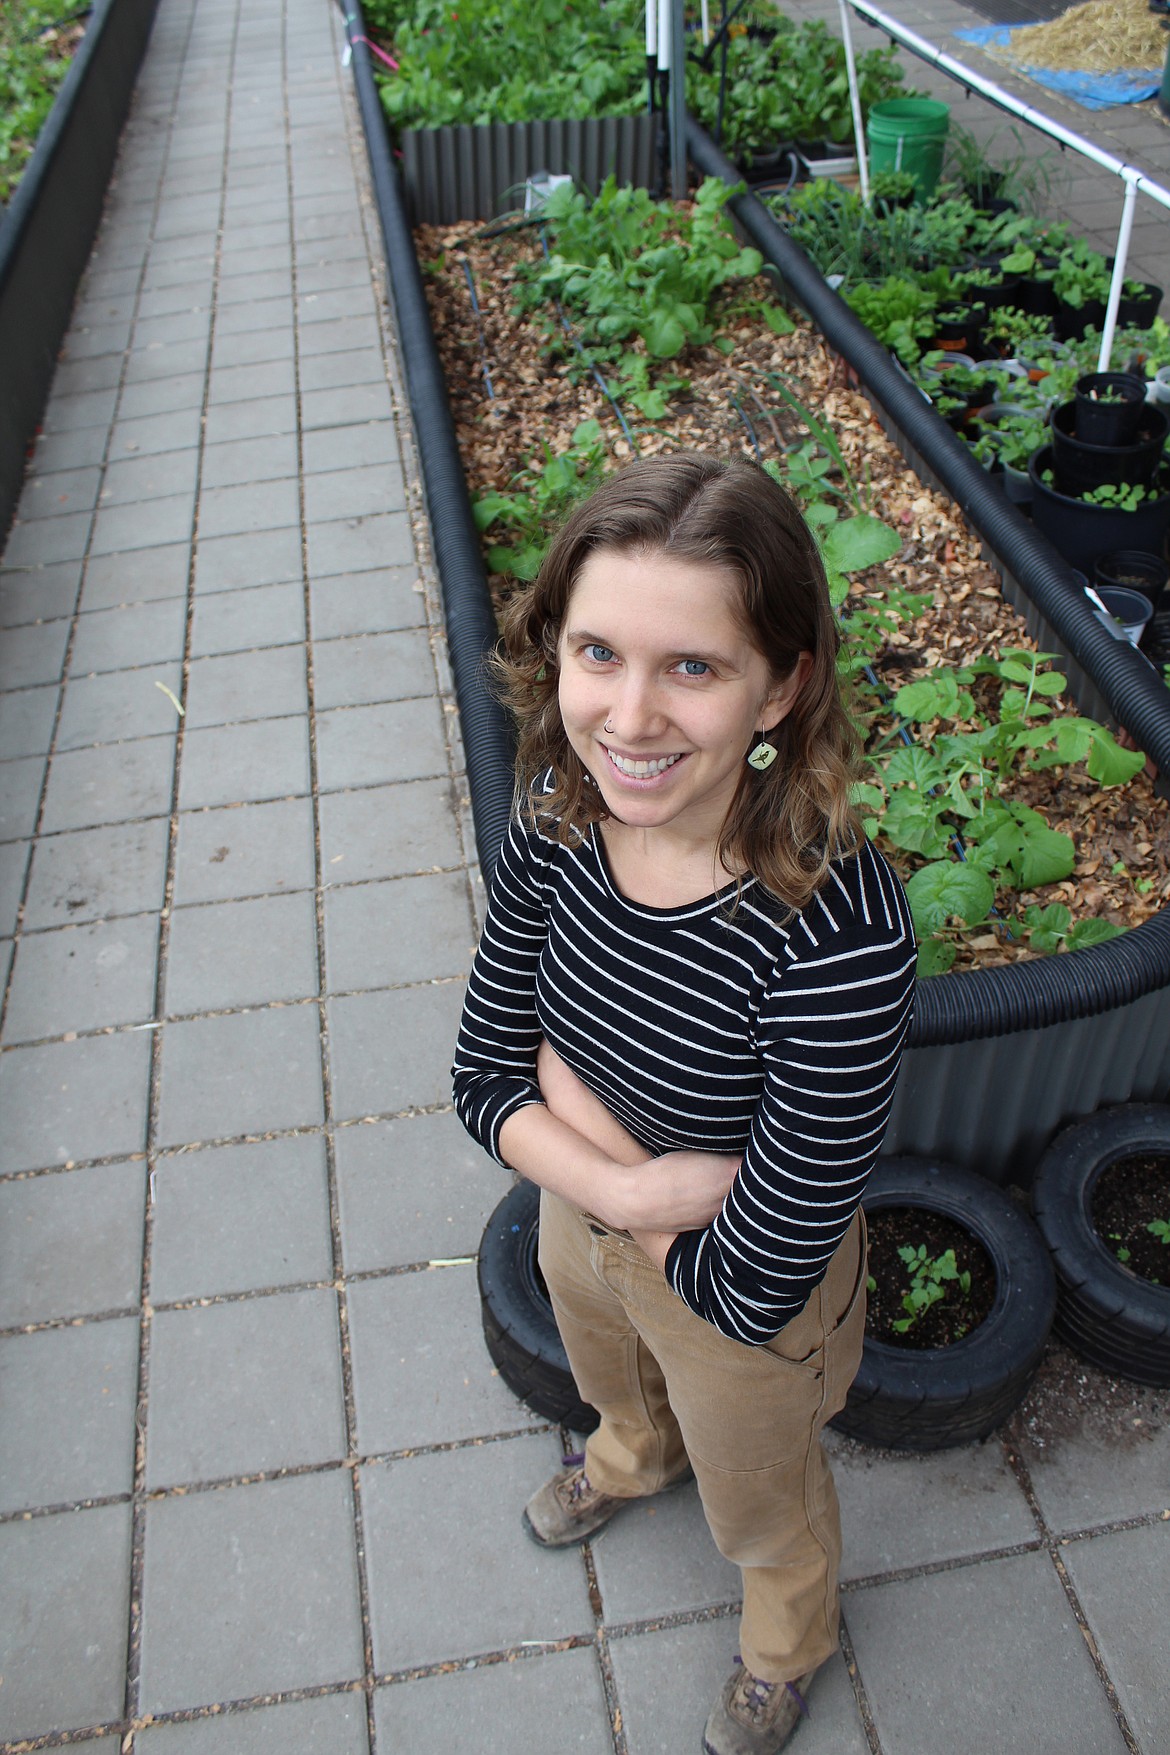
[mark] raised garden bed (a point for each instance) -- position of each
(1000, 1057)
(48, 228)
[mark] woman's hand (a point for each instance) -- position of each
(681, 1191)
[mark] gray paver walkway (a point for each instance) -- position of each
(259, 1484)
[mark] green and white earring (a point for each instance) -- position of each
(762, 756)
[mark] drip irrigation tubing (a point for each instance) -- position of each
(950, 1009)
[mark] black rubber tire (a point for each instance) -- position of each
(518, 1322)
(1106, 1314)
(929, 1398)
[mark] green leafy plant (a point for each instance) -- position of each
(927, 795)
(499, 61)
(900, 313)
(1081, 276)
(625, 267)
(790, 84)
(544, 492)
(1120, 495)
(930, 1277)
(1160, 1229)
(1011, 440)
(37, 42)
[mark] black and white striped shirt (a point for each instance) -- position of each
(714, 1027)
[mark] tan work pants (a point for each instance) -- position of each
(670, 1387)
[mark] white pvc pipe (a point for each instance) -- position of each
(705, 17)
(663, 36)
(855, 102)
(651, 29)
(1005, 101)
(1115, 285)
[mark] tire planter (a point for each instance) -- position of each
(1107, 1314)
(908, 1399)
(518, 1322)
(49, 226)
(929, 1398)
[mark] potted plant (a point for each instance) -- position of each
(1010, 440)
(889, 190)
(961, 1299)
(1081, 284)
(1102, 1201)
(1081, 466)
(1104, 519)
(1109, 406)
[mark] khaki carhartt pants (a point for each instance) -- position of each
(670, 1387)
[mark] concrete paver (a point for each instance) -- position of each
(216, 1565)
(71, 1244)
(332, 1724)
(63, 1620)
(1118, 1578)
(240, 1218)
(485, 1592)
(237, 1213)
(415, 1189)
(512, 1706)
(1012, 1624)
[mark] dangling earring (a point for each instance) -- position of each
(762, 756)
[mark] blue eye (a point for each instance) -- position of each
(599, 654)
(695, 667)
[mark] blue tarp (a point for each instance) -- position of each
(1093, 91)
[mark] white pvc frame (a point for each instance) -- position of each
(1135, 181)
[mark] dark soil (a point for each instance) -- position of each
(957, 1312)
(1129, 1196)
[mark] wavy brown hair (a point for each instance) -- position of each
(784, 825)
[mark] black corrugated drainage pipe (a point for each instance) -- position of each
(1132, 687)
(471, 627)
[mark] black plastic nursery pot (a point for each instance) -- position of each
(1135, 571)
(1108, 407)
(1081, 464)
(48, 229)
(1083, 531)
(999, 1058)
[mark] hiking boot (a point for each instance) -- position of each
(752, 1717)
(568, 1510)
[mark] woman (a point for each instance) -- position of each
(684, 1023)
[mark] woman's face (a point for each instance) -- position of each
(662, 692)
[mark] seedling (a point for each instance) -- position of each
(930, 1276)
(1160, 1228)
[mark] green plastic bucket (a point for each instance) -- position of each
(909, 134)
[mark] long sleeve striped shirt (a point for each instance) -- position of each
(717, 1026)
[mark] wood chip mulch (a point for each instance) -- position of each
(1122, 835)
